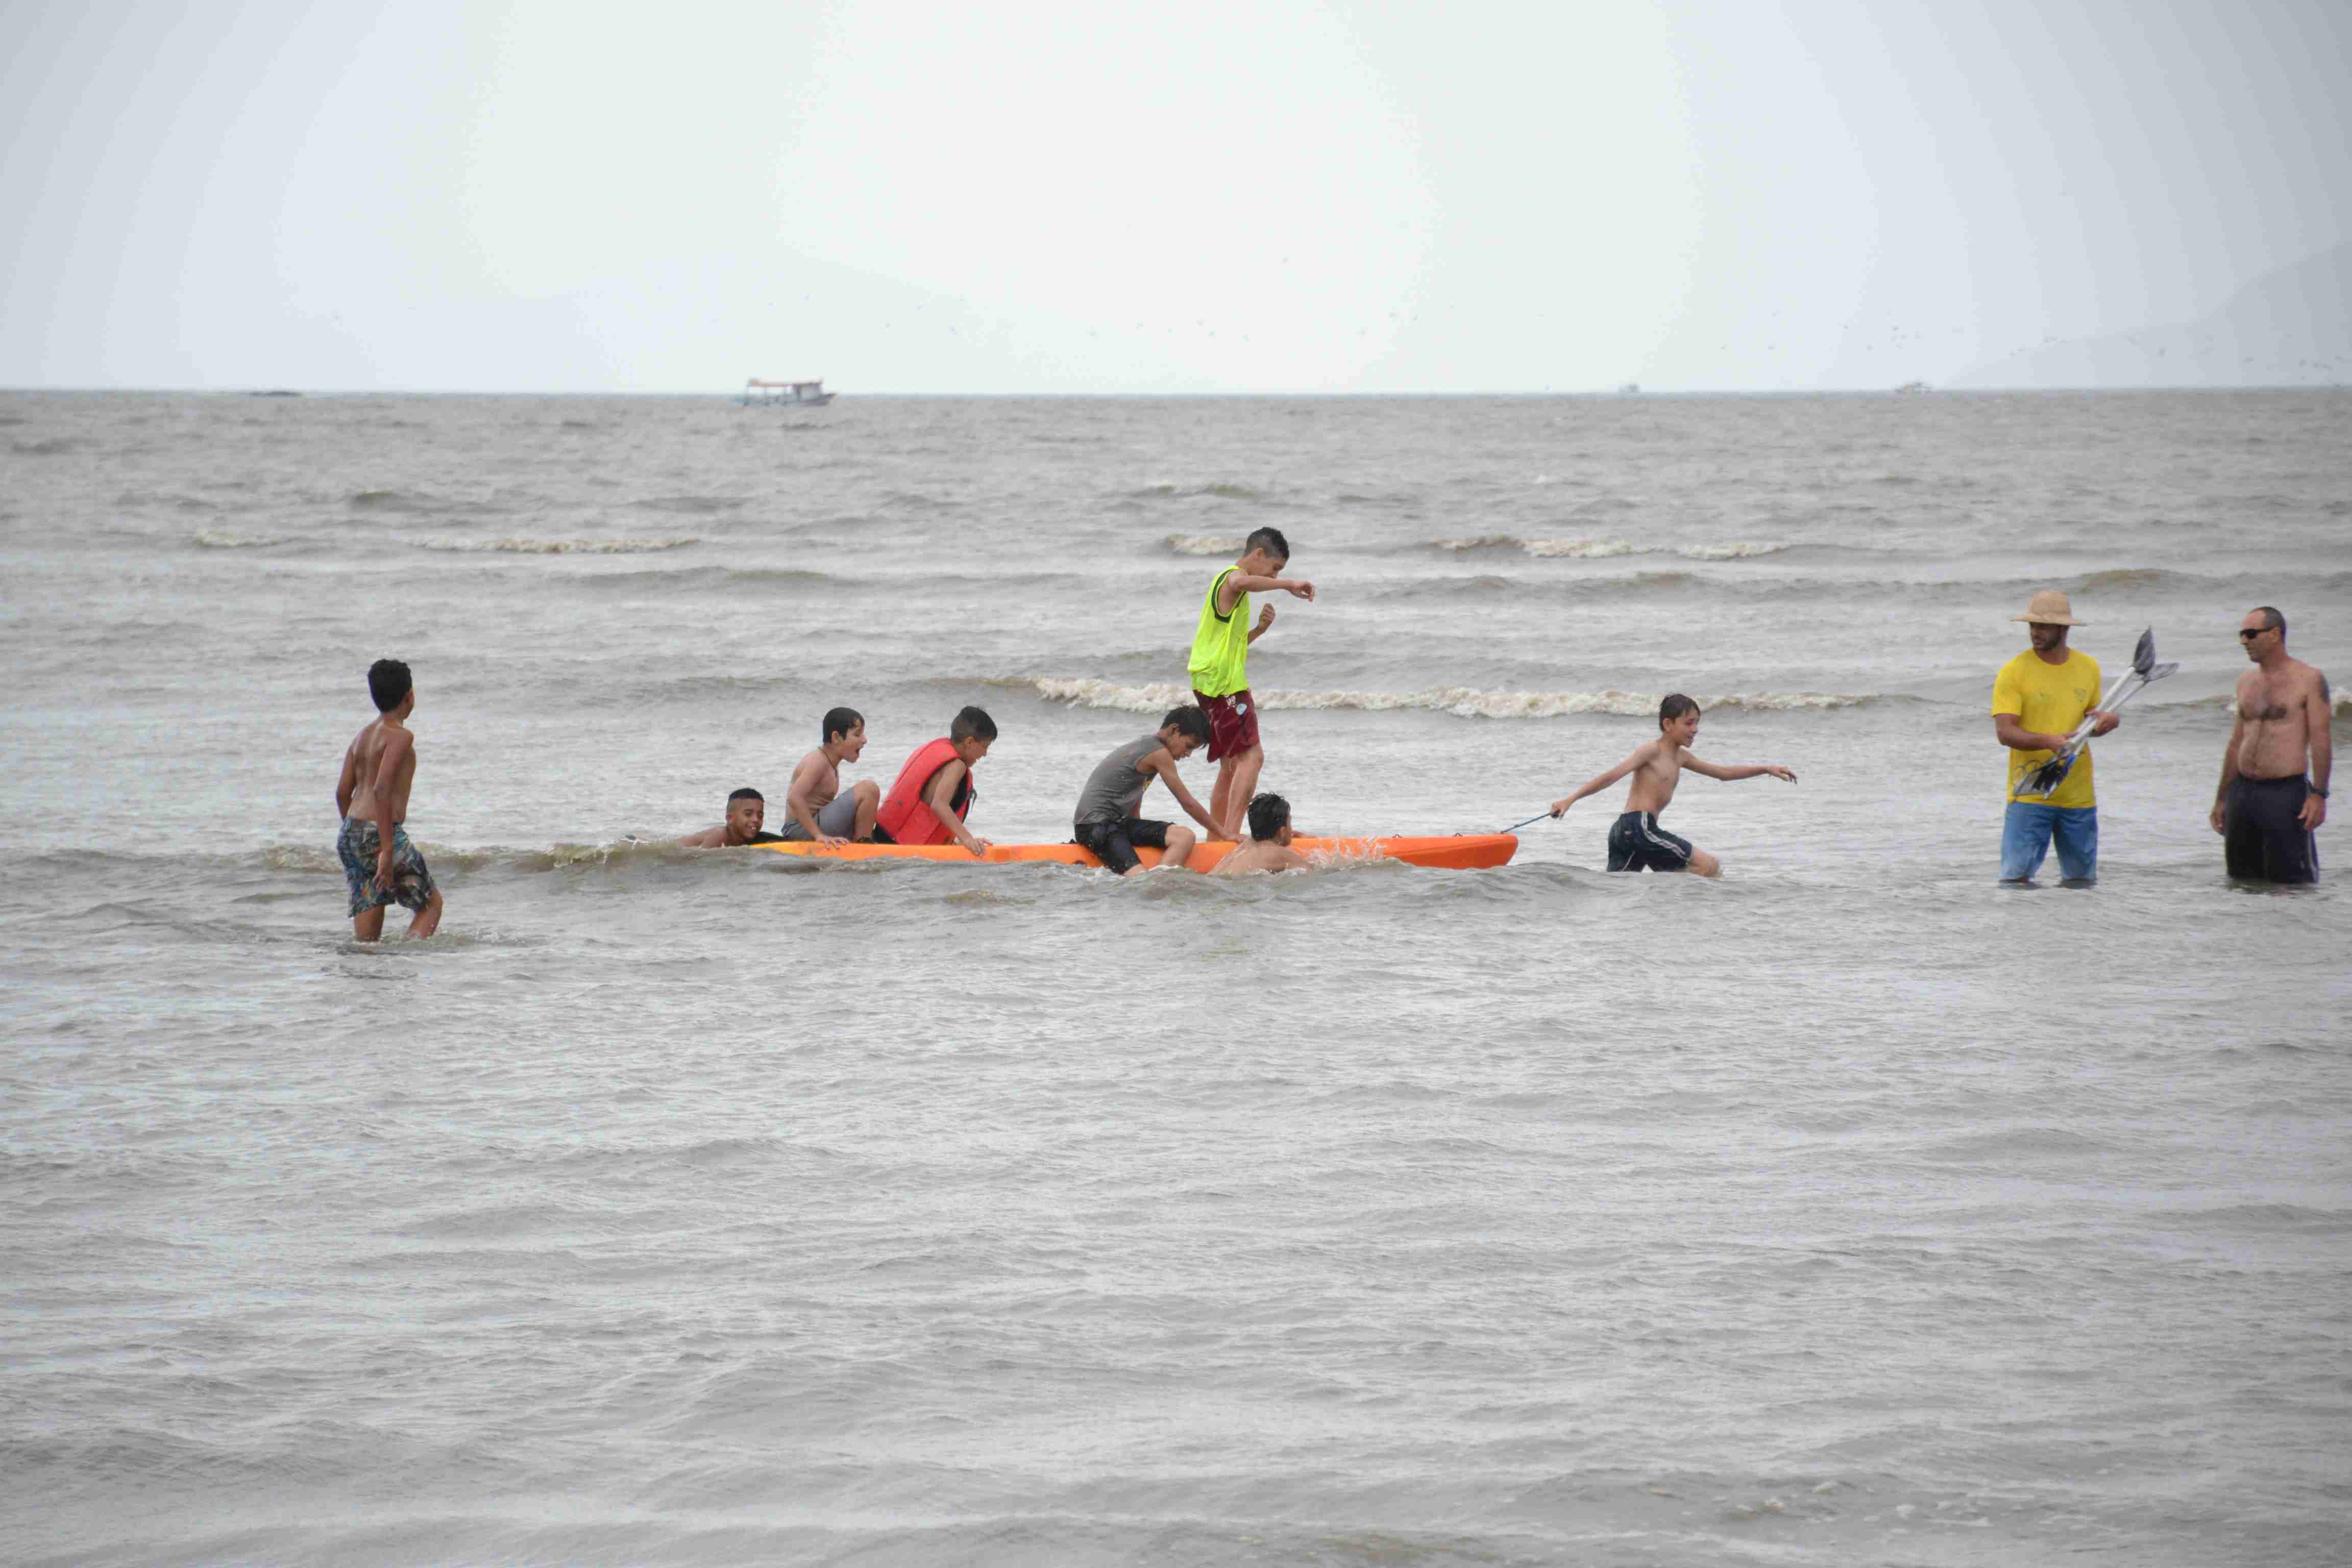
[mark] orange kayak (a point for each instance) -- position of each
(1460, 851)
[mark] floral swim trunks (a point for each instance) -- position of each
(412, 884)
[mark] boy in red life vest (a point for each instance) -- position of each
(1220, 667)
(934, 791)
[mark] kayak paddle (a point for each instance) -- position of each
(2145, 672)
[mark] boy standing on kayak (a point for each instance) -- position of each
(1220, 667)
(1106, 821)
(1637, 843)
(934, 792)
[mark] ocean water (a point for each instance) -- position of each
(673, 1207)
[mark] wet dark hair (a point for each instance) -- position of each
(1190, 719)
(747, 793)
(1674, 707)
(2273, 620)
(1268, 539)
(973, 725)
(1268, 815)
(841, 722)
(388, 682)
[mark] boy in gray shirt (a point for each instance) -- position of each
(1106, 822)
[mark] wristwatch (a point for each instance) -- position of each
(2314, 789)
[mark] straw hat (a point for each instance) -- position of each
(2050, 608)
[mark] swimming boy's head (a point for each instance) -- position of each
(845, 727)
(747, 808)
(389, 684)
(1678, 718)
(972, 733)
(1264, 552)
(1269, 819)
(1184, 731)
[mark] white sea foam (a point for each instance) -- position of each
(1203, 544)
(1593, 549)
(1466, 701)
(224, 539)
(557, 546)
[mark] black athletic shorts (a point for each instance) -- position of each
(1638, 844)
(2263, 835)
(1117, 842)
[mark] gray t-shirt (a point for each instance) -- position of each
(1115, 790)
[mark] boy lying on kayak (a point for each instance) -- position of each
(1637, 843)
(1269, 849)
(1107, 822)
(747, 808)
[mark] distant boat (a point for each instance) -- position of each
(1630, 388)
(785, 394)
(1915, 386)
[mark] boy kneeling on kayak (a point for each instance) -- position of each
(934, 792)
(1106, 822)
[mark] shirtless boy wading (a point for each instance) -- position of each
(2267, 808)
(1637, 843)
(380, 866)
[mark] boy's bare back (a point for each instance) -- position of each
(364, 758)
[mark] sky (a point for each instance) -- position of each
(1704, 194)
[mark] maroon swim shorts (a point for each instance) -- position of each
(1232, 723)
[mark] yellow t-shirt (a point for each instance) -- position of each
(2052, 699)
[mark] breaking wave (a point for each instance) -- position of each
(1592, 549)
(1462, 701)
(1201, 544)
(1185, 492)
(555, 546)
(223, 539)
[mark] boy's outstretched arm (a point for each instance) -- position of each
(1163, 766)
(1239, 582)
(1599, 782)
(1741, 770)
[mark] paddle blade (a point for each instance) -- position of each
(2161, 670)
(2143, 655)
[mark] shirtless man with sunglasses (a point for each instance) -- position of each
(2267, 807)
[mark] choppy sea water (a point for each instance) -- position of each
(674, 1207)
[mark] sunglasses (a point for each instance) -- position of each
(2246, 636)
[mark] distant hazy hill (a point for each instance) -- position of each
(2288, 328)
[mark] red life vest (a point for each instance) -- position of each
(905, 815)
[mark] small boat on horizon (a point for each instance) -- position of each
(785, 394)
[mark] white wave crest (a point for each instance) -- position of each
(557, 546)
(1594, 549)
(1203, 544)
(223, 539)
(1462, 701)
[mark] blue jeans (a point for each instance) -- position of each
(2026, 834)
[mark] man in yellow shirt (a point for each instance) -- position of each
(2039, 699)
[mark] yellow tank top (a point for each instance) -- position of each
(1220, 665)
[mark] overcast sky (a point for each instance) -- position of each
(523, 195)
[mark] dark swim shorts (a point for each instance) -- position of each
(1638, 844)
(2263, 835)
(1233, 724)
(1116, 842)
(412, 884)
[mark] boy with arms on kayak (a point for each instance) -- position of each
(1637, 843)
(815, 807)
(1107, 820)
(934, 792)
(746, 809)
(1269, 849)
(380, 865)
(1220, 667)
